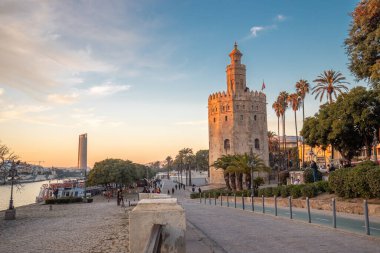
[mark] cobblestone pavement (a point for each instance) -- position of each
(236, 231)
(100, 226)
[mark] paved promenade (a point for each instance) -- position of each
(222, 229)
(100, 226)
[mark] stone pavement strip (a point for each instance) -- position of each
(236, 231)
(100, 226)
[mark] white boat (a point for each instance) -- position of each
(63, 189)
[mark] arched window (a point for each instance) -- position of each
(226, 144)
(257, 144)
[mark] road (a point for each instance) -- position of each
(233, 230)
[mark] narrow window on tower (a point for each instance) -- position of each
(214, 120)
(257, 144)
(254, 118)
(226, 145)
(225, 118)
(223, 108)
(241, 117)
(243, 107)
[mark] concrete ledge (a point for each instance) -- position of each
(153, 196)
(163, 211)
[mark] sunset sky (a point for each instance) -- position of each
(136, 75)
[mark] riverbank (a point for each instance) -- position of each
(100, 226)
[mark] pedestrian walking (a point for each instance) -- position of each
(314, 168)
(168, 192)
(199, 190)
(172, 190)
(176, 187)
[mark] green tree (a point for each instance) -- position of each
(348, 125)
(121, 172)
(201, 159)
(330, 83)
(362, 44)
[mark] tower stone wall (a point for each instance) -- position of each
(237, 119)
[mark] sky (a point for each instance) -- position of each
(136, 75)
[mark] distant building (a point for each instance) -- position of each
(237, 119)
(82, 152)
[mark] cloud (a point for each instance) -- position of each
(63, 98)
(20, 112)
(108, 89)
(1, 91)
(192, 123)
(256, 29)
(280, 18)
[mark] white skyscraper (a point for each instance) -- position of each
(82, 152)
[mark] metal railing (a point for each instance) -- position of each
(155, 240)
(304, 214)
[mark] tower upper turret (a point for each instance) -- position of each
(235, 55)
(236, 77)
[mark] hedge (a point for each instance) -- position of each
(308, 176)
(63, 200)
(362, 181)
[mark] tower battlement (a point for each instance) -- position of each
(223, 94)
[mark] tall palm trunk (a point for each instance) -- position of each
(278, 132)
(303, 141)
(233, 181)
(295, 120)
(248, 180)
(227, 180)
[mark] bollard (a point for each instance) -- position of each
(228, 202)
(263, 200)
(290, 208)
(334, 212)
(308, 209)
(50, 207)
(129, 203)
(215, 197)
(204, 196)
(242, 200)
(275, 205)
(200, 198)
(235, 199)
(366, 217)
(221, 199)
(252, 203)
(209, 198)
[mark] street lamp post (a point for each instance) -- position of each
(10, 214)
(252, 165)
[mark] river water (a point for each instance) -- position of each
(25, 196)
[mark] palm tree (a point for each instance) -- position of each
(294, 102)
(242, 164)
(223, 163)
(187, 157)
(329, 82)
(272, 141)
(302, 88)
(169, 162)
(282, 99)
(277, 108)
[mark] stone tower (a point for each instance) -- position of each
(237, 119)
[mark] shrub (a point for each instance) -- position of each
(373, 179)
(63, 200)
(309, 190)
(269, 192)
(337, 180)
(308, 176)
(276, 191)
(261, 192)
(284, 191)
(323, 186)
(283, 175)
(194, 195)
(295, 191)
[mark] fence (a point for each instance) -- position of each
(327, 218)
